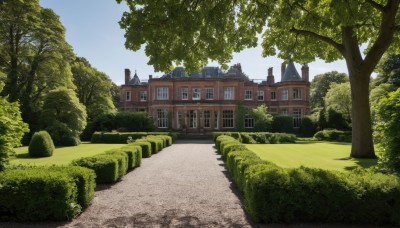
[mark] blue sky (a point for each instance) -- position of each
(93, 31)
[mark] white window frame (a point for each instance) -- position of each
(296, 118)
(196, 94)
(178, 119)
(128, 96)
(228, 119)
(207, 119)
(260, 95)
(296, 94)
(193, 119)
(162, 93)
(248, 95)
(216, 122)
(285, 95)
(229, 93)
(210, 93)
(162, 118)
(273, 95)
(143, 95)
(184, 93)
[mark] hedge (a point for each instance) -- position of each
(274, 195)
(333, 135)
(146, 147)
(122, 137)
(258, 137)
(138, 159)
(37, 194)
(121, 158)
(105, 167)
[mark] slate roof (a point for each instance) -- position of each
(291, 73)
(135, 80)
(208, 72)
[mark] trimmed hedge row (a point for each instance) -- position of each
(45, 193)
(333, 135)
(273, 194)
(259, 137)
(111, 166)
(122, 137)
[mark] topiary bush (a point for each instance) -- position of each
(307, 127)
(138, 154)
(105, 167)
(146, 147)
(121, 158)
(41, 145)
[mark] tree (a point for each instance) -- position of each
(93, 88)
(262, 119)
(338, 98)
(63, 116)
(33, 54)
(12, 128)
(321, 84)
(388, 70)
(192, 32)
(115, 94)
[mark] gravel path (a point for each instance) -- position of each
(185, 185)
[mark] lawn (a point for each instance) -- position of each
(62, 155)
(325, 155)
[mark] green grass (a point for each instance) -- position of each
(324, 155)
(62, 155)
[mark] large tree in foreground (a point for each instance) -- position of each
(191, 32)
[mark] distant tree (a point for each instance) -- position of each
(321, 84)
(338, 98)
(116, 96)
(388, 70)
(63, 117)
(134, 121)
(307, 29)
(93, 88)
(262, 119)
(12, 128)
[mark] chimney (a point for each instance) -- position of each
(283, 69)
(127, 76)
(305, 73)
(150, 76)
(270, 78)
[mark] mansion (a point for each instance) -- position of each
(207, 101)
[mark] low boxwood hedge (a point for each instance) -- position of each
(122, 137)
(105, 167)
(333, 135)
(258, 137)
(146, 147)
(138, 154)
(274, 195)
(122, 159)
(37, 194)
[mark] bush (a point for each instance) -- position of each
(146, 147)
(221, 139)
(85, 180)
(121, 158)
(41, 145)
(307, 128)
(105, 167)
(282, 124)
(37, 194)
(134, 156)
(333, 135)
(134, 121)
(387, 130)
(156, 143)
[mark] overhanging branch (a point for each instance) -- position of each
(328, 40)
(376, 5)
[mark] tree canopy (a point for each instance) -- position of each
(191, 32)
(338, 98)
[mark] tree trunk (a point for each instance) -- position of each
(362, 143)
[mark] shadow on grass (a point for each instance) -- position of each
(362, 163)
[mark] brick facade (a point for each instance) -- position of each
(208, 101)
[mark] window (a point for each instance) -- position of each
(260, 95)
(273, 95)
(284, 95)
(228, 93)
(193, 119)
(178, 119)
(296, 94)
(207, 117)
(216, 120)
(209, 93)
(143, 95)
(128, 95)
(227, 118)
(248, 95)
(162, 118)
(196, 93)
(184, 93)
(248, 121)
(284, 112)
(296, 118)
(162, 93)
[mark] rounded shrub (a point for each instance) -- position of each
(41, 145)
